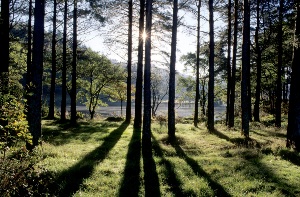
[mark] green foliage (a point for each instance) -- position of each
(97, 77)
(14, 128)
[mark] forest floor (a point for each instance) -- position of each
(104, 158)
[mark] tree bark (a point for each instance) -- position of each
(74, 65)
(53, 71)
(171, 103)
(210, 107)
(64, 68)
(293, 130)
(35, 100)
(146, 138)
(197, 97)
(128, 103)
(279, 69)
(233, 70)
(245, 70)
(139, 78)
(258, 65)
(228, 63)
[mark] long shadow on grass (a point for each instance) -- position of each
(172, 178)
(63, 133)
(291, 156)
(218, 189)
(131, 180)
(150, 174)
(265, 172)
(70, 180)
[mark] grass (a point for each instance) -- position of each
(104, 158)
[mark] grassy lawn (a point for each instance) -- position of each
(103, 158)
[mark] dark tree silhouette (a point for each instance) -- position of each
(128, 103)
(228, 62)
(210, 104)
(171, 103)
(293, 130)
(139, 78)
(29, 42)
(245, 70)
(74, 65)
(35, 99)
(53, 71)
(197, 97)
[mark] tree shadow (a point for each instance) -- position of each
(217, 188)
(150, 174)
(291, 156)
(62, 134)
(171, 176)
(131, 181)
(69, 180)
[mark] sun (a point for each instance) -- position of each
(144, 35)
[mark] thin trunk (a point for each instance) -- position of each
(233, 70)
(139, 78)
(4, 43)
(53, 72)
(121, 107)
(293, 130)
(228, 63)
(74, 65)
(171, 103)
(146, 138)
(197, 97)
(245, 70)
(128, 103)
(279, 69)
(35, 100)
(64, 68)
(258, 69)
(211, 82)
(29, 50)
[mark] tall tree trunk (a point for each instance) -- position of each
(35, 99)
(293, 130)
(258, 65)
(29, 50)
(139, 78)
(211, 82)
(245, 70)
(146, 138)
(279, 69)
(233, 70)
(171, 103)
(74, 65)
(4, 46)
(128, 103)
(64, 68)
(228, 63)
(197, 97)
(53, 71)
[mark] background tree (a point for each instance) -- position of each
(210, 107)
(35, 99)
(171, 103)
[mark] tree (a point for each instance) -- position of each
(197, 97)
(146, 138)
(228, 63)
(35, 99)
(96, 76)
(64, 67)
(74, 65)
(128, 104)
(139, 78)
(171, 103)
(293, 130)
(159, 88)
(53, 70)
(233, 69)
(279, 67)
(245, 70)
(210, 107)
(4, 43)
